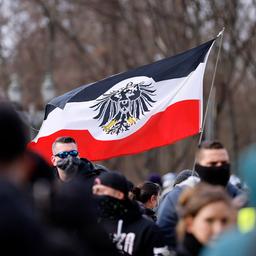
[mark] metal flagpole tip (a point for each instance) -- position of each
(221, 32)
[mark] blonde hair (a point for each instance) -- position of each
(192, 200)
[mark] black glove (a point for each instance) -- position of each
(69, 165)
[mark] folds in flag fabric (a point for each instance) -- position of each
(147, 107)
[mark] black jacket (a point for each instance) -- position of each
(129, 230)
(87, 171)
(150, 214)
(73, 215)
(146, 212)
(189, 247)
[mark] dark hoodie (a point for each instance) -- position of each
(147, 212)
(73, 212)
(150, 214)
(20, 230)
(89, 171)
(129, 230)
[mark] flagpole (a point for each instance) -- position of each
(211, 89)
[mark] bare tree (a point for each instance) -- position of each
(86, 40)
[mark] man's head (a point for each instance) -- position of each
(211, 153)
(63, 149)
(14, 139)
(111, 184)
(14, 134)
(212, 163)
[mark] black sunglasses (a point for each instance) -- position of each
(64, 154)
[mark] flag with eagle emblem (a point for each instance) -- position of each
(147, 107)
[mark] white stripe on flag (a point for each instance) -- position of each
(79, 115)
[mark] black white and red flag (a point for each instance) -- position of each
(146, 107)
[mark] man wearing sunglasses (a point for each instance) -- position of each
(65, 157)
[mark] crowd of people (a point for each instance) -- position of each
(76, 207)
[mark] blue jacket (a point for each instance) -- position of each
(167, 216)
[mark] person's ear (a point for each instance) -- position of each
(97, 181)
(54, 160)
(189, 224)
(119, 195)
(153, 200)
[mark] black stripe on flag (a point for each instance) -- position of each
(178, 66)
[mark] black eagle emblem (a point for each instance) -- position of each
(118, 110)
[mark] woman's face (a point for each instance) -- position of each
(210, 221)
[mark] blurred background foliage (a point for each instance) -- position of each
(48, 47)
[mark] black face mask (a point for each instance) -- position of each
(214, 175)
(110, 207)
(69, 165)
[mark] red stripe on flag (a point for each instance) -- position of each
(178, 121)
